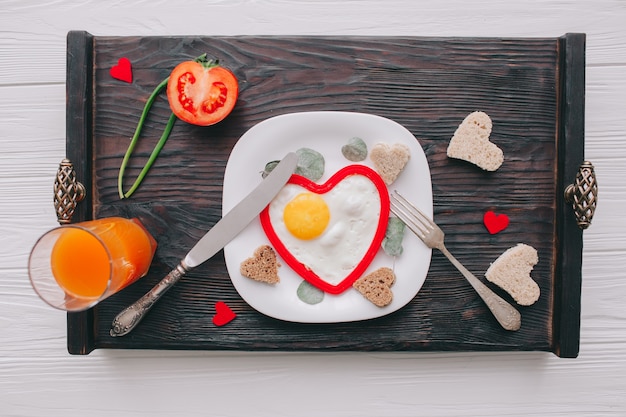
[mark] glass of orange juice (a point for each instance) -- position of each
(74, 267)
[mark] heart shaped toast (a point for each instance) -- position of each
(390, 160)
(376, 286)
(511, 272)
(471, 143)
(262, 266)
(329, 233)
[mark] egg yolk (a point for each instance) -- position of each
(306, 216)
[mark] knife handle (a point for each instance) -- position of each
(126, 321)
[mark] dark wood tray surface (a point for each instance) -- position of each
(533, 89)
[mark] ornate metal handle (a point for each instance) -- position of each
(583, 195)
(67, 192)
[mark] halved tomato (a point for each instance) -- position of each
(201, 92)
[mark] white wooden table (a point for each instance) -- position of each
(39, 378)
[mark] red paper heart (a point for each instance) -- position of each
(495, 223)
(223, 314)
(303, 270)
(123, 70)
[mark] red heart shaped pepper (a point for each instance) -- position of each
(495, 223)
(122, 71)
(303, 270)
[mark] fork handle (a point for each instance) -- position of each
(508, 317)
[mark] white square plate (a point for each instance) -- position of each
(325, 132)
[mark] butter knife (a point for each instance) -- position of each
(215, 239)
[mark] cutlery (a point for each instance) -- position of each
(215, 239)
(508, 317)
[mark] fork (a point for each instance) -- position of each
(432, 235)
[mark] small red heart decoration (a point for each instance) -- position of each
(495, 223)
(123, 70)
(223, 314)
(381, 226)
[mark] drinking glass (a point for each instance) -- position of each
(74, 267)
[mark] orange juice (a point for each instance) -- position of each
(101, 256)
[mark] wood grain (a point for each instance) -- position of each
(39, 378)
(427, 84)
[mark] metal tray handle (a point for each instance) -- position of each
(68, 192)
(583, 195)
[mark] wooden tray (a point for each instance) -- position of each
(532, 88)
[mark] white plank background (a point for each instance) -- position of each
(39, 378)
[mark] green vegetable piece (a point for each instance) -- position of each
(135, 139)
(158, 147)
(355, 150)
(309, 294)
(392, 243)
(310, 164)
(269, 167)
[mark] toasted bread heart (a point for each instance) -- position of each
(262, 266)
(511, 272)
(471, 143)
(376, 286)
(390, 160)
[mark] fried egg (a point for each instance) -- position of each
(329, 233)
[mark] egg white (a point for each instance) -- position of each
(354, 205)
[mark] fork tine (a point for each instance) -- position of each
(414, 212)
(407, 213)
(408, 220)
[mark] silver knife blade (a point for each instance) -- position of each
(215, 239)
(242, 214)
